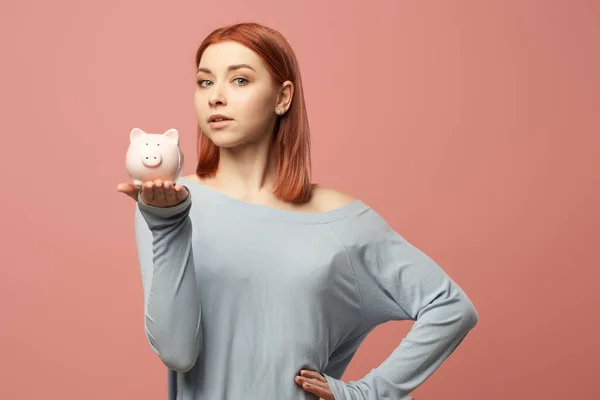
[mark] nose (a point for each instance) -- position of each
(216, 97)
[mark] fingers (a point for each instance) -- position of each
(129, 190)
(159, 191)
(170, 194)
(319, 391)
(315, 383)
(181, 192)
(148, 192)
(314, 375)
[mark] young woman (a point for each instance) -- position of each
(259, 284)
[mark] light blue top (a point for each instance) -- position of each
(239, 297)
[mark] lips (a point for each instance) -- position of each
(218, 121)
(218, 118)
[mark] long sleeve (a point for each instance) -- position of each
(397, 281)
(171, 300)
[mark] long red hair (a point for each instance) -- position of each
(291, 140)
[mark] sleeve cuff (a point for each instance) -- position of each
(341, 390)
(164, 212)
(338, 388)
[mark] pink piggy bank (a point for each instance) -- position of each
(153, 156)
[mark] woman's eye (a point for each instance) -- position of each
(205, 82)
(241, 81)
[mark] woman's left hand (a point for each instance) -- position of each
(315, 383)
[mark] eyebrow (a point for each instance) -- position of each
(230, 68)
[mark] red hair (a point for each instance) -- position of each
(291, 140)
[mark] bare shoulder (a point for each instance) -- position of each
(327, 199)
(323, 198)
(193, 178)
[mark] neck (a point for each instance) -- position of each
(248, 170)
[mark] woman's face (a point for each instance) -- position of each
(233, 82)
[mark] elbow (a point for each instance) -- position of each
(181, 361)
(469, 317)
(179, 364)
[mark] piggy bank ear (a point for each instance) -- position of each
(135, 133)
(172, 134)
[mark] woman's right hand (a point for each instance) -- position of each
(156, 193)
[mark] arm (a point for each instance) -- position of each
(397, 281)
(171, 300)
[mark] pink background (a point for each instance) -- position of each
(472, 126)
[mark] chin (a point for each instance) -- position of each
(225, 139)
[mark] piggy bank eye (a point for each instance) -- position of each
(146, 144)
(158, 144)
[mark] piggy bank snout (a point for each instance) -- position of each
(151, 159)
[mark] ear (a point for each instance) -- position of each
(172, 134)
(135, 133)
(285, 95)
